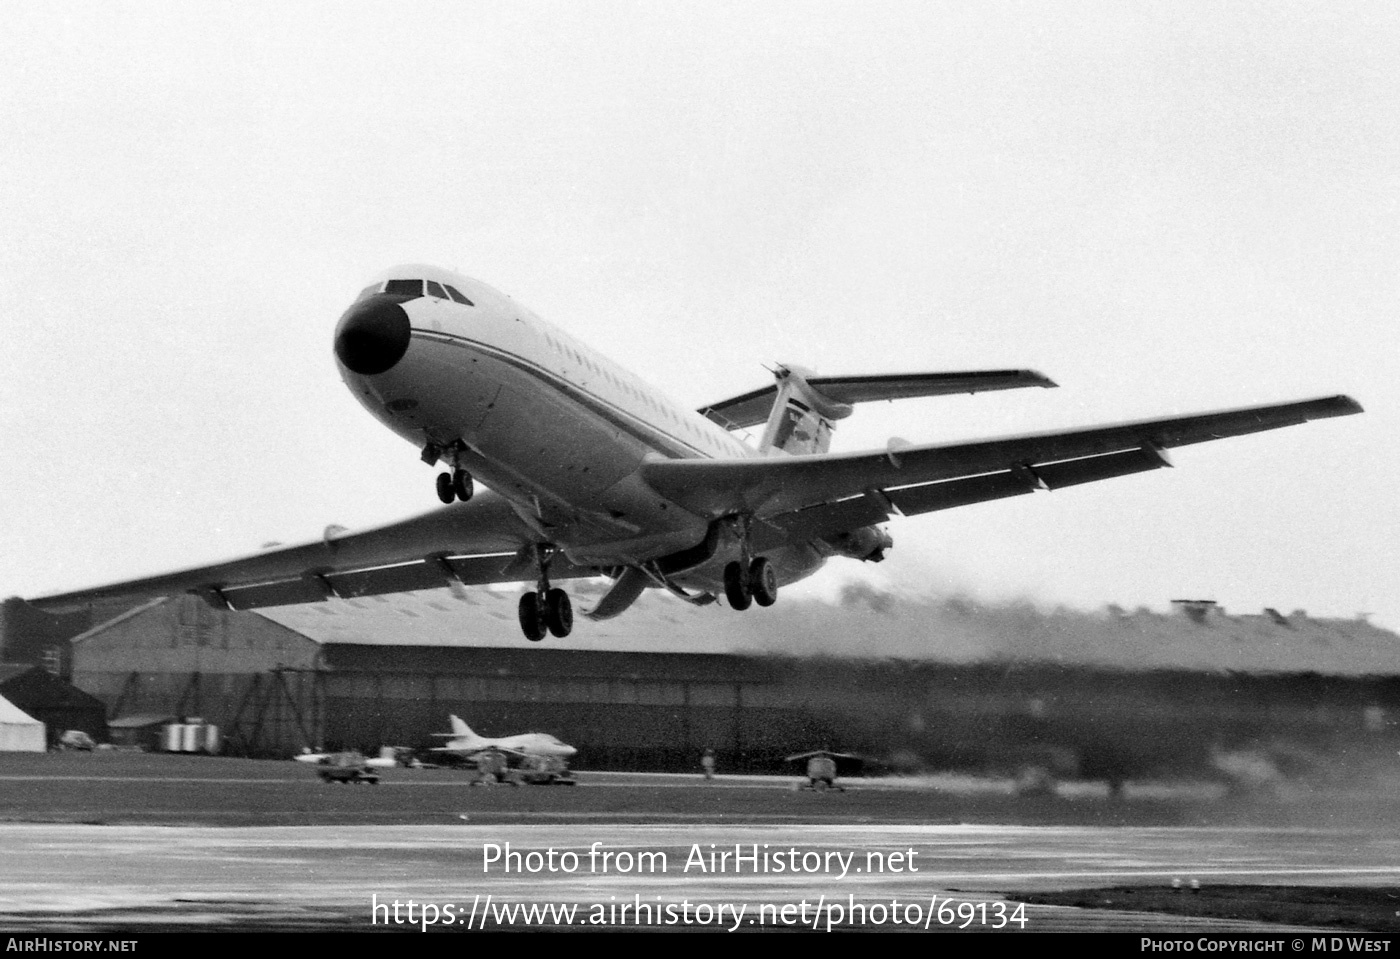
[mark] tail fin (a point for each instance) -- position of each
(461, 729)
(805, 404)
(800, 421)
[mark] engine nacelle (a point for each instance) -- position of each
(867, 543)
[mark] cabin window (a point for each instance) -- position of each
(452, 292)
(435, 289)
(404, 287)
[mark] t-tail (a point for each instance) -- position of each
(800, 421)
(805, 405)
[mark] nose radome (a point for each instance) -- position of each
(372, 336)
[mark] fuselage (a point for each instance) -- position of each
(481, 383)
(528, 744)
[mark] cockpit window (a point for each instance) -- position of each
(452, 292)
(404, 287)
(435, 289)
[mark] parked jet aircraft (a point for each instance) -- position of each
(590, 471)
(463, 742)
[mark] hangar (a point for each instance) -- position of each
(915, 682)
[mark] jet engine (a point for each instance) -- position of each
(867, 543)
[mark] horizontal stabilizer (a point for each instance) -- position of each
(753, 408)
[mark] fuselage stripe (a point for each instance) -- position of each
(620, 417)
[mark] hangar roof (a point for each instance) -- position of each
(865, 622)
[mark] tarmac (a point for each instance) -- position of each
(111, 842)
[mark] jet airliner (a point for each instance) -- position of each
(588, 471)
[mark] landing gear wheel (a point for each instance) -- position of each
(462, 484)
(763, 582)
(444, 488)
(736, 587)
(558, 613)
(531, 622)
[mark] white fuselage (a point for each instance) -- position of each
(526, 744)
(550, 424)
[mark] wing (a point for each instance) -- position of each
(833, 492)
(753, 408)
(476, 542)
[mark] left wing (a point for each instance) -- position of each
(833, 492)
(472, 543)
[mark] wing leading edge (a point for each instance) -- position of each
(833, 492)
(472, 543)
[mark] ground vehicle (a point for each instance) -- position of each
(347, 767)
(544, 771)
(76, 739)
(821, 769)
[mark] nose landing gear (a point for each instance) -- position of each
(456, 485)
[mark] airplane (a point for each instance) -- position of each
(381, 761)
(589, 471)
(463, 742)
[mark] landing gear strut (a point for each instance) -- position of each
(456, 485)
(546, 610)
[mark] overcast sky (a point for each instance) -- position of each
(1166, 207)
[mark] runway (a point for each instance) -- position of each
(79, 878)
(153, 843)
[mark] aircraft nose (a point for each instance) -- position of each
(372, 336)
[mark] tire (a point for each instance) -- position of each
(736, 587)
(531, 620)
(558, 613)
(763, 582)
(444, 488)
(462, 484)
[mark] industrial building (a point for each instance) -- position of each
(932, 684)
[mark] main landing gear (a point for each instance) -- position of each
(756, 582)
(548, 611)
(456, 485)
(749, 579)
(545, 609)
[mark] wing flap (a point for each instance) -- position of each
(815, 522)
(286, 593)
(402, 578)
(949, 494)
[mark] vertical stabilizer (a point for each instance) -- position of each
(801, 419)
(461, 729)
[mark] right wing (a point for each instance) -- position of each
(472, 543)
(841, 491)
